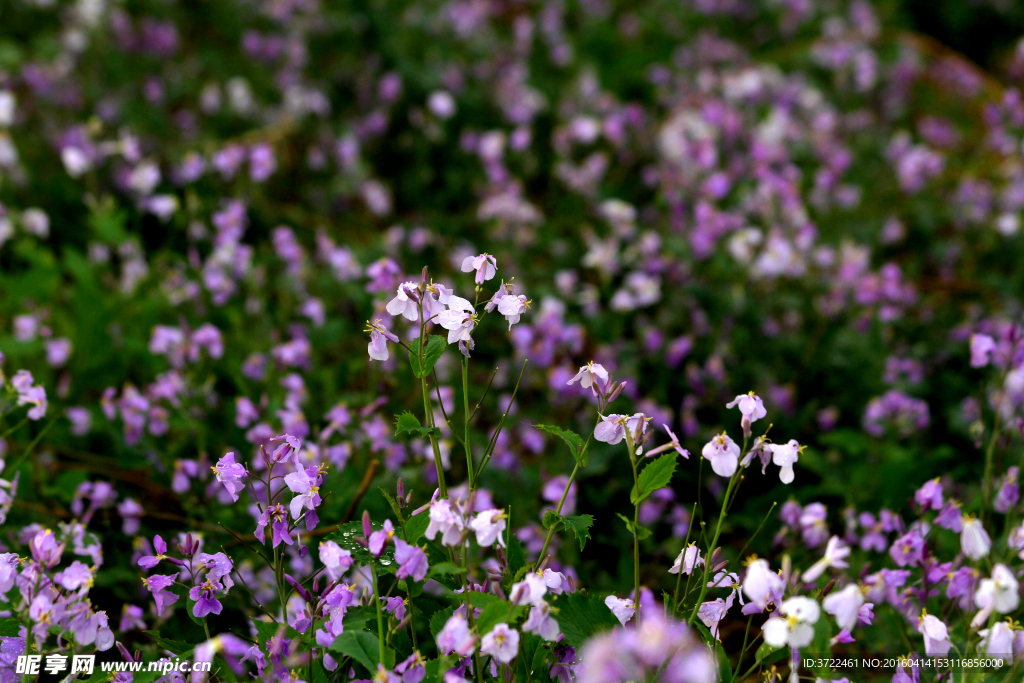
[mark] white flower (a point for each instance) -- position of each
(403, 304)
(1001, 592)
(484, 265)
(502, 643)
(836, 553)
(845, 605)
(489, 526)
(936, 636)
(974, 540)
(761, 583)
(622, 609)
(785, 456)
(689, 558)
(591, 374)
(795, 626)
(723, 453)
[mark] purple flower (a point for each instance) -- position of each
(501, 642)
(413, 668)
(836, 553)
(456, 637)
(485, 266)
(542, 623)
(305, 484)
(395, 606)
(982, 347)
(150, 561)
(908, 549)
(929, 495)
(75, 577)
(412, 561)
(380, 538)
(277, 517)
(950, 517)
(131, 618)
(379, 336)
(157, 584)
(205, 598)
(1009, 492)
(337, 560)
(230, 473)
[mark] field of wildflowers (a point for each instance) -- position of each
(469, 341)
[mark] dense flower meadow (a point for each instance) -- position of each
(508, 340)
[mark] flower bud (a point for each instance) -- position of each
(303, 550)
(367, 527)
(400, 490)
(828, 588)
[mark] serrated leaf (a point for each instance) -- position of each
(435, 349)
(641, 532)
(656, 475)
(436, 668)
(766, 654)
(551, 518)
(175, 646)
(348, 535)
(579, 525)
(445, 569)
(516, 559)
(439, 619)
(571, 439)
(9, 627)
(482, 600)
(361, 617)
(407, 423)
(497, 613)
(416, 527)
(361, 646)
(531, 645)
(581, 616)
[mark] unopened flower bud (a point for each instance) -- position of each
(303, 550)
(400, 490)
(615, 391)
(828, 588)
(367, 527)
(316, 585)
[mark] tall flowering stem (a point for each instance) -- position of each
(733, 481)
(428, 414)
(636, 526)
(465, 423)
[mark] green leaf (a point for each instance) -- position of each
(438, 619)
(175, 646)
(516, 560)
(653, 477)
(359, 617)
(766, 654)
(581, 616)
(361, 646)
(436, 668)
(445, 569)
(531, 646)
(416, 527)
(348, 535)
(579, 525)
(551, 518)
(191, 614)
(407, 423)
(482, 600)
(641, 532)
(571, 439)
(9, 627)
(496, 613)
(435, 349)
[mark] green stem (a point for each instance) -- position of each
(380, 612)
(429, 419)
(679, 576)
(561, 502)
(636, 527)
(465, 422)
(711, 548)
(986, 482)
